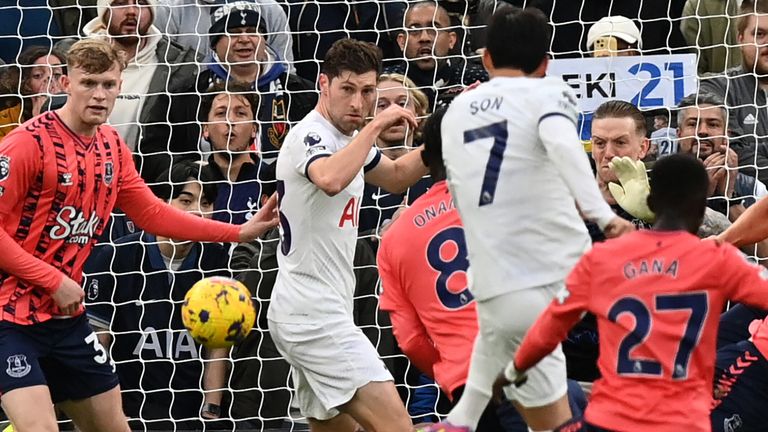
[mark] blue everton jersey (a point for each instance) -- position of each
(130, 291)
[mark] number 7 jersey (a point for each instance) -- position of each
(520, 218)
(657, 297)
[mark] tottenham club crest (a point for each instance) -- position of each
(5, 167)
(18, 366)
(108, 173)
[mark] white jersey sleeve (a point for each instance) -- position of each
(558, 133)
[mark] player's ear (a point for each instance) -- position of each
(255, 130)
(65, 83)
(205, 131)
(325, 82)
(644, 146)
(487, 61)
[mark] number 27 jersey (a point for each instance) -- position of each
(657, 297)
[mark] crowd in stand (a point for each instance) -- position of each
(212, 88)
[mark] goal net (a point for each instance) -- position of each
(137, 291)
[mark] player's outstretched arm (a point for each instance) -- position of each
(159, 218)
(333, 173)
(398, 175)
(559, 136)
(750, 227)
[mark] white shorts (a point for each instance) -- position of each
(504, 321)
(330, 362)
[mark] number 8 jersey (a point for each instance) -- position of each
(516, 169)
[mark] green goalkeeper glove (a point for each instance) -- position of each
(632, 193)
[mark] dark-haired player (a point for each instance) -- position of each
(520, 179)
(64, 172)
(338, 375)
(657, 295)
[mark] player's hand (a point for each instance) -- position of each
(617, 227)
(632, 193)
(68, 296)
(395, 115)
(265, 219)
(510, 375)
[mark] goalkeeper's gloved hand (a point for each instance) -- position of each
(632, 193)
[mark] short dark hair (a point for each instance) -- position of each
(703, 97)
(353, 56)
(432, 155)
(747, 10)
(518, 38)
(679, 184)
(171, 182)
(235, 88)
(621, 109)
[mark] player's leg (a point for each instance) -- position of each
(102, 412)
(377, 407)
(82, 380)
(30, 409)
(335, 370)
(26, 398)
(340, 423)
(543, 400)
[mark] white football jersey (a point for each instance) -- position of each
(665, 140)
(521, 221)
(317, 232)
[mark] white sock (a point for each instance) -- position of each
(469, 409)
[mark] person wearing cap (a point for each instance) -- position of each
(614, 36)
(187, 22)
(241, 53)
(156, 111)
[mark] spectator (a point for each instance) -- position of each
(188, 22)
(136, 288)
(426, 43)
(228, 116)
(316, 25)
(663, 137)
(614, 36)
(240, 54)
(743, 89)
(701, 129)
(27, 87)
(378, 206)
(709, 26)
(156, 110)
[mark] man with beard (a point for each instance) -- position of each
(701, 122)
(240, 53)
(426, 44)
(243, 181)
(743, 89)
(156, 109)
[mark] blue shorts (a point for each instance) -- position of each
(63, 354)
(740, 389)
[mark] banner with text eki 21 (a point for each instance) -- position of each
(646, 81)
